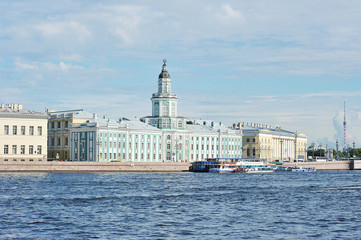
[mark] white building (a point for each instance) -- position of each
(23, 134)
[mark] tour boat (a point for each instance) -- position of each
(302, 169)
(260, 170)
(255, 166)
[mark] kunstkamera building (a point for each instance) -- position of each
(163, 136)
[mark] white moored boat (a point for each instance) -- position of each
(224, 168)
(254, 166)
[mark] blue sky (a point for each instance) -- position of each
(287, 63)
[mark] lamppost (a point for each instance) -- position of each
(336, 149)
(313, 151)
(281, 150)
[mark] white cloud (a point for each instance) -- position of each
(229, 15)
(72, 29)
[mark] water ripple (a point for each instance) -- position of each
(322, 205)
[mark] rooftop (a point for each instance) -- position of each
(17, 110)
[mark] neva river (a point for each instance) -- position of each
(319, 205)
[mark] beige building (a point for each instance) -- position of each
(23, 134)
(58, 131)
(273, 144)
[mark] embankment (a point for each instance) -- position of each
(328, 165)
(95, 167)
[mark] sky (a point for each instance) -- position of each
(278, 62)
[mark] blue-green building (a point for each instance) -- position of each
(164, 136)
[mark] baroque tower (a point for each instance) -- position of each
(164, 104)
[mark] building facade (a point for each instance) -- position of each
(164, 136)
(135, 141)
(273, 144)
(58, 131)
(23, 134)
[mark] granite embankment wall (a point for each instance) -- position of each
(147, 166)
(329, 165)
(95, 167)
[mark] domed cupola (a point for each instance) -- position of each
(164, 73)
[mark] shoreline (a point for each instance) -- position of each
(95, 167)
(76, 167)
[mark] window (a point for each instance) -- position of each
(168, 146)
(247, 139)
(14, 149)
(6, 149)
(52, 125)
(6, 129)
(15, 130)
(22, 130)
(22, 149)
(254, 140)
(168, 137)
(39, 149)
(59, 140)
(66, 124)
(40, 131)
(59, 126)
(66, 141)
(31, 130)
(31, 149)
(115, 156)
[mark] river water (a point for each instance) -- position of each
(319, 205)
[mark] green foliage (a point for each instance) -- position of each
(349, 153)
(316, 153)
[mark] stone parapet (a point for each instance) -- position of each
(95, 167)
(327, 165)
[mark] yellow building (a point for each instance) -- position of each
(23, 134)
(58, 131)
(273, 144)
